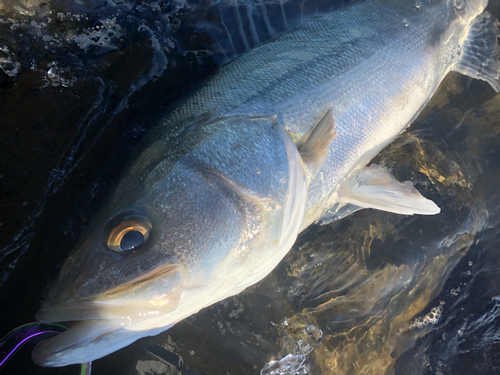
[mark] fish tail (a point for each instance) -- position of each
(480, 57)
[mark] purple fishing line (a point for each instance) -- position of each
(22, 342)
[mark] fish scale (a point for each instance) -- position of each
(358, 68)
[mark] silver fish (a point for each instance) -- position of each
(270, 144)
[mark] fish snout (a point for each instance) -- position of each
(156, 292)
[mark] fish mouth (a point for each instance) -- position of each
(85, 342)
(104, 323)
(157, 291)
(76, 311)
(54, 351)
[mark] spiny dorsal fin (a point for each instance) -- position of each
(315, 148)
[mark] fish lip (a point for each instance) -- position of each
(103, 307)
(141, 280)
(45, 356)
(87, 341)
(70, 346)
(38, 357)
(68, 312)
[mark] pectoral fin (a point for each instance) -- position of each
(481, 51)
(315, 148)
(375, 187)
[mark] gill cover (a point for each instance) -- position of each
(202, 226)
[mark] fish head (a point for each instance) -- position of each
(118, 276)
(187, 226)
(116, 271)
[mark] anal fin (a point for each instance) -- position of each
(315, 148)
(481, 51)
(375, 187)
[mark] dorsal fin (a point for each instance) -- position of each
(315, 148)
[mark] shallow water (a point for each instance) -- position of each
(373, 293)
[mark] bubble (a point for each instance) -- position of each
(310, 337)
(55, 76)
(289, 365)
(221, 328)
(271, 368)
(8, 62)
(100, 36)
(431, 318)
(52, 73)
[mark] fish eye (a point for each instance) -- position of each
(131, 240)
(127, 232)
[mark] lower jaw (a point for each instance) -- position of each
(79, 344)
(87, 341)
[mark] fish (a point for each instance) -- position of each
(279, 138)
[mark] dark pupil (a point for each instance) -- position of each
(131, 240)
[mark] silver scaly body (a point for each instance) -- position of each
(376, 63)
